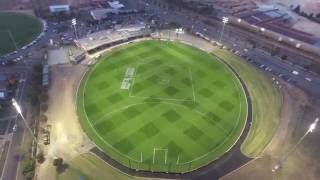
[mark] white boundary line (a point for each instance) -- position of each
(165, 154)
(234, 126)
(154, 153)
(238, 119)
(191, 79)
(178, 159)
(165, 99)
(220, 127)
(182, 106)
(240, 109)
(118, 170)
(90, 123)
(134, 78)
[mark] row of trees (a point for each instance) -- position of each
(311, 16)
(37, 98)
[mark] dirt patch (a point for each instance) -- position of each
(256, 169)
(67, 139)
(294, 101)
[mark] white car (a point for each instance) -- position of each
(308, 79)
(295, 72)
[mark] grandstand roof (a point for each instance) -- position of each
(98, 14)
(100, 38)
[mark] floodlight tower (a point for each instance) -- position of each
(225, 20)
(311, 128)
(74, 23)
(19, 111)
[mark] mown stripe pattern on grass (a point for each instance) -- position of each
(183, 109)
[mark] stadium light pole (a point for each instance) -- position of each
(74, 23)
(311, 128)
(19, 111)
(225, 20)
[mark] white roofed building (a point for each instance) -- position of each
(59, 8)
(115, 4)
(98, 14)
(107, 38)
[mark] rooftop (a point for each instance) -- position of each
(97, 39)
(115, 4)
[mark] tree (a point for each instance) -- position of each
(43, 97)
(311, 15)
(297, 9)
(284, 57)
(43, 118)
(40, 158)
(57, 161)
(44, 107)
(28, 169)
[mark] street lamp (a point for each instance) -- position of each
(313, 125)
(74, 23)
(239, 20)
(179, 31)
(19, 111)
(310, 130)
(225, 20)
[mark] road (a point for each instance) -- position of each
(11, 167)
(12, 160)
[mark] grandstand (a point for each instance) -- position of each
(103, 39)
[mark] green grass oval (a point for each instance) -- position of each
(23, 28)
(162, 106)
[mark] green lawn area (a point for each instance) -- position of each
(23, 28)
(89, 167)
(162, 106)
(266, 100)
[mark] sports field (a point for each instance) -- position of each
(162, 106)
(22, 28)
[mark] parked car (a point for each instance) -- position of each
(295, 72)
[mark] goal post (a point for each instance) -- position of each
(160, 157)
